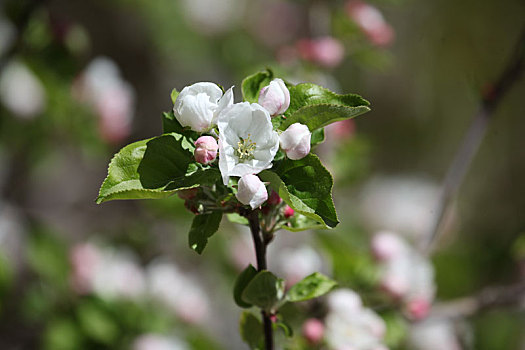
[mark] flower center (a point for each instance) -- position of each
(245, 149)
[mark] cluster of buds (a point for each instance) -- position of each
(246, 142)
(406, 275)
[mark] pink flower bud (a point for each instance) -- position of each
(418, 308)
(275, 98)
(274, 199)
(386, 246)
(288, 212)
(395, 286)
(205, 149)
(295, 141)
(313, 330)
(251, 191)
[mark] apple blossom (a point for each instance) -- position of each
(295, 141)
(205, 149)
(350, 325)
(198, 105)
(325, 51)
(313, 330)
(387, 245)
(21, 92)
(247, 141)
(371, 22)
(251, 191)
(275, 97)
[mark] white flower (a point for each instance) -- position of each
(247, 142)
(21, 91)
(350, 325)
(251, 191)
(199, 105)
(295, 141)
(275, 97)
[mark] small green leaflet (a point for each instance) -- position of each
(202, 228)
(310, 287)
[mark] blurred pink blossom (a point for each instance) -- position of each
(406, 275)
(84, 259)
(325, 51)
(111, 97)
(350, 325)
(313, 330)
(371, 22)
(340, 130)
(433, 334)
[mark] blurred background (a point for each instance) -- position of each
(81, 79)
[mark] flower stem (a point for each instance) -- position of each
(260, 244)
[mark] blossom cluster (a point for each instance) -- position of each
(348, 324)
(406, 275)
(240, 134)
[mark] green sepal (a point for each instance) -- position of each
(202, 228)
(252, 85)
(310, 287)
(265, 291)
(251, 330)
(174, 94)
(306, 186)
(240, 284)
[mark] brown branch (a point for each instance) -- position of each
(490, 99)
(489, 298)
(260, 244)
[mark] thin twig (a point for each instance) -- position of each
(502, 296)
(457, 170)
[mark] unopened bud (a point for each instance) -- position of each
(313, 330)
(288, 212)
(251, 191)
(274, 199)
(418, 308)
(205, 149)
(275, 98)
(295, 141)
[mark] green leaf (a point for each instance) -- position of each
(174, 94)
(306, 186)
(319, 116)
(251, 330)
(240, 284)
(153, 168)
(287, 329)
(252, 85)
(237, 219)
(308, 94)
(299, 222)
(265, 290)
(202, 228)
(96, 323)
(317, 136)
(310, 287)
